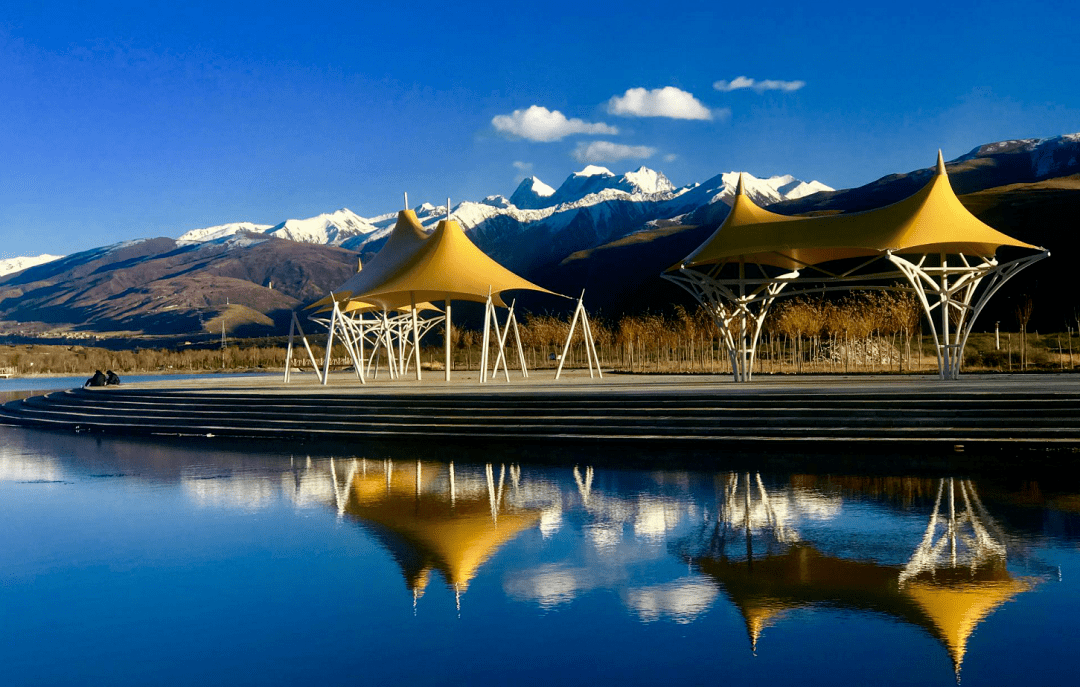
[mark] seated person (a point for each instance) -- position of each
(97, 380)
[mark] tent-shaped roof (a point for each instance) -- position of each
(448, 266)
(425, 530)
(949, 608)
(406, 238)
(933, 220)
(955, 610)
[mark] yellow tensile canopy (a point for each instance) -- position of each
(346, 304)
(406, 238)
(949, 609)
(428, 531)
(448, 266)
(933, 220)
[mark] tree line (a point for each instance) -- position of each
(871, 331)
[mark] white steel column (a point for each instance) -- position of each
(569, 337)
(329, 341)
(488, 306)
(959, 294)
(586, 335)
(447, 338)
(288, 349)
(416, 334)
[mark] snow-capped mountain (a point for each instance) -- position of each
(645, 181)
(539, 224)
(221, 231)
(708, 202)
(531, 194)
(594, 179)
(1055, 156)
(333, 228)
(588, 181)
(610, 234)
(329, 228)
(9, 265)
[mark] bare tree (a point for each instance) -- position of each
(1023, 316)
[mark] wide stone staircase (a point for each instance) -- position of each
(945, 419)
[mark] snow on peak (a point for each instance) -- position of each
(540, 188)
(11, 265)
(1056, 156)
(496, 201)
(763, 192)
(593, 180)
(244, 241)
(221, 231)
(594, 170)
(332, 228)
(805, 188)
(531, 193)
(646, 180)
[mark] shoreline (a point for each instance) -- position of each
(977, 414)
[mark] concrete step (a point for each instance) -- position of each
(731, 415)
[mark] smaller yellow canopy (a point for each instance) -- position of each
(447, 267)
(351, 305)
(344, 303)
(933, 220)
(427, 530)
(406, 238)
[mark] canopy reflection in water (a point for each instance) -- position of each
(430, 518)
(299, 560)
(952, 582)
(433, 520)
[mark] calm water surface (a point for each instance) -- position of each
(17, 387)
(139, 562)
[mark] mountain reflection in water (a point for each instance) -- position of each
(683, 548)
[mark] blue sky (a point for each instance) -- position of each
(123, 120)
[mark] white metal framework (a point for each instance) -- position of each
(366, 336)
(591, 357)
(494, 333)
(968, 539)
(952, 289)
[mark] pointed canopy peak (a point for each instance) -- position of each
(940, 163)
(739, 190)
(448, 266)
(407, 225)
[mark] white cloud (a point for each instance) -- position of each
(605, 151)
(541, 124)
(671, 157)
(660, 102)
(740, 82)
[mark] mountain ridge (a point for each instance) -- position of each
(604, 238)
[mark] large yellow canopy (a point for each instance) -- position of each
(949, 609)
(933, 220)
(448, 266)
(955, 610)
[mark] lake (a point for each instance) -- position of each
(129, 561)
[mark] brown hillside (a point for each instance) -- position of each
(157, 287)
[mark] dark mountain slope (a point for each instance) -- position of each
(158, 287)
(624, 276)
